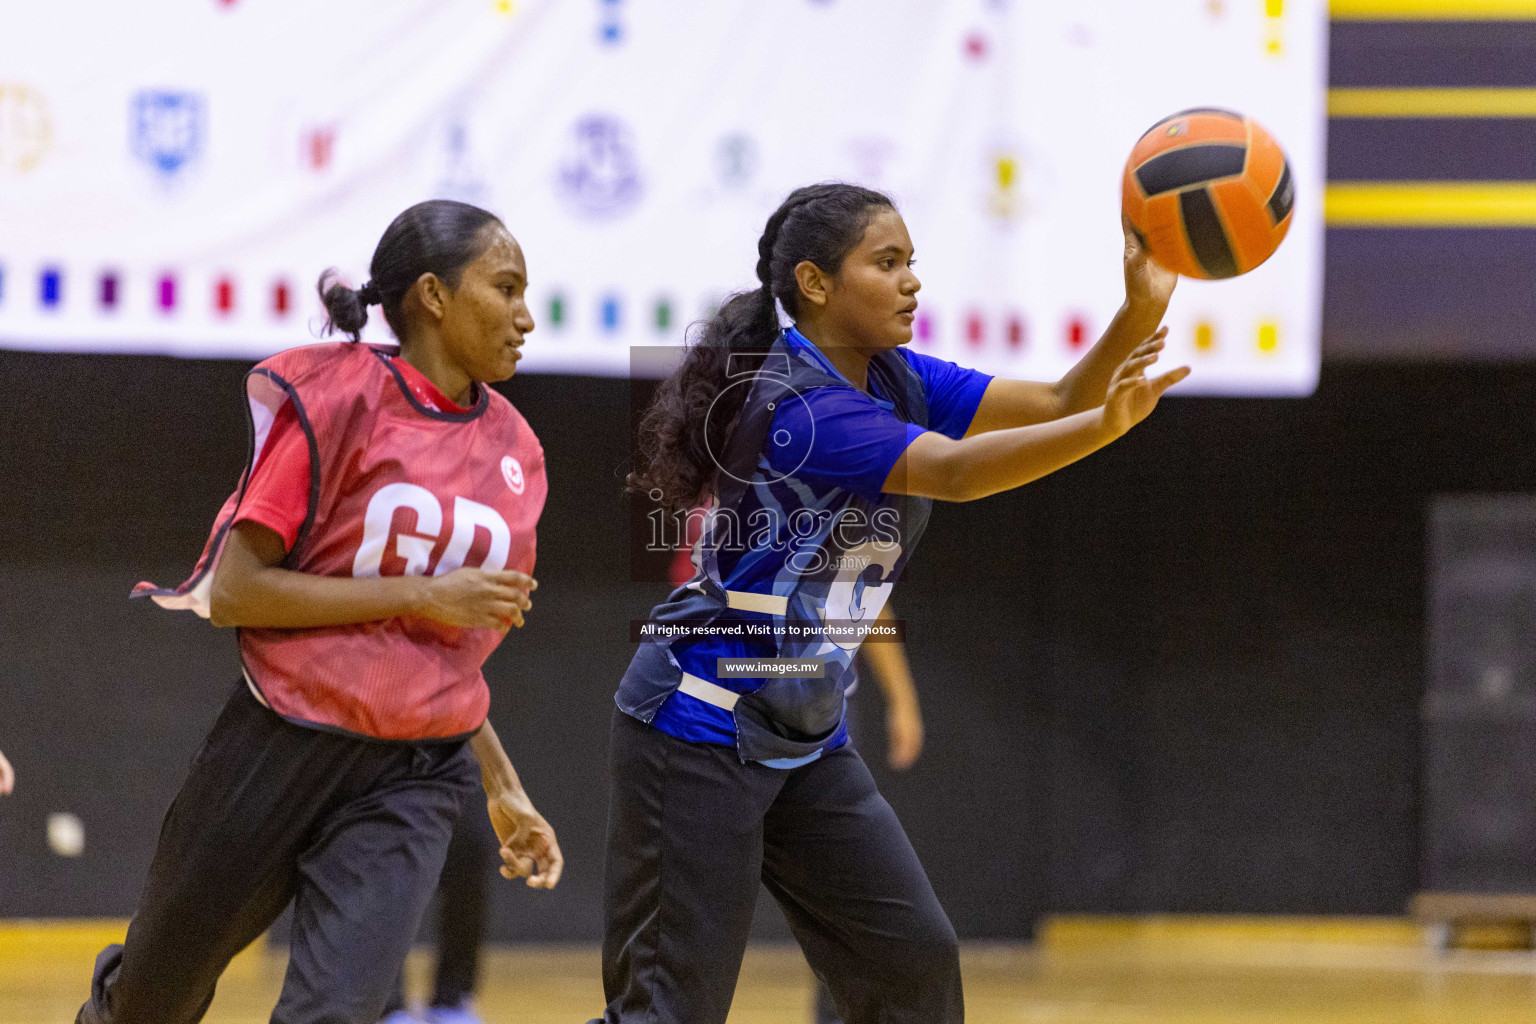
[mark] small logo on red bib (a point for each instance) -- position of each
(512, 472)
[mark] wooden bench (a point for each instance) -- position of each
(1445, 914)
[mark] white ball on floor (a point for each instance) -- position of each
(66, 834)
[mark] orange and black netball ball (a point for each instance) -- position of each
(1210, 191)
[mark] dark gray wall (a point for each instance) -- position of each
(1436, 293)
(1182, 675)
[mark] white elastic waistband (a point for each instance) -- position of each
(254, 692)
(747, 601)
(707, 692)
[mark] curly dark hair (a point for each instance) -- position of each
(820, 223)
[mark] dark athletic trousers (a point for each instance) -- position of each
(823, 1009)
(692, 832)
(461, 895)
(353, 831)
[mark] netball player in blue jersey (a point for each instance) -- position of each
(823, 446)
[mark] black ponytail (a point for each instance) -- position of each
(439, 237)
(346, 309)
(689, 417)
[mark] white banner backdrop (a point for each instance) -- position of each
(174, 174)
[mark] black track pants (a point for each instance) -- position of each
(692, 832)
(461, 895)
(352, 830)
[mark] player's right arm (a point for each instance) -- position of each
(1017, 403)
(935, 466)
(250, 589)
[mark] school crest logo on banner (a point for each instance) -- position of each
(167, 130)
(461, 179)
(737, 160)
(26, 130)
(600, 175)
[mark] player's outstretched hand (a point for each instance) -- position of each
(1148, 284)
(528, 846)
(7, 776)
(476, 598)
(1132, 395)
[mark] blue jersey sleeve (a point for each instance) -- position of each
(837, 437)
(954, 392)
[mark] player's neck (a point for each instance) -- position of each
(851, 360)
(454, 384)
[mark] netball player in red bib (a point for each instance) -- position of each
(377, 550)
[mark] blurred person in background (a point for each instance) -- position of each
(827, 463)
(339, 765)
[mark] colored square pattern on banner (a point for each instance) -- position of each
(183, 188)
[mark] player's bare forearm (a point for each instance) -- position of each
(250, 589)
(888, 661)
(935, 466)
(1018, 403)
(529, 848)
(497, 775)
(903, 718)
(1148, 290)
(1083, 387)
(1015, 403)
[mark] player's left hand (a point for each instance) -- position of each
(528, 846)
(1148, 284)
(1132, 394)
(7, 776)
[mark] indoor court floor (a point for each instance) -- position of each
(1131, 973)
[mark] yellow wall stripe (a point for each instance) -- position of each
(59, 936)
(1469, 204)
(1175, 931)
(1432, 10)
(28, 941)
(1432, 102)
